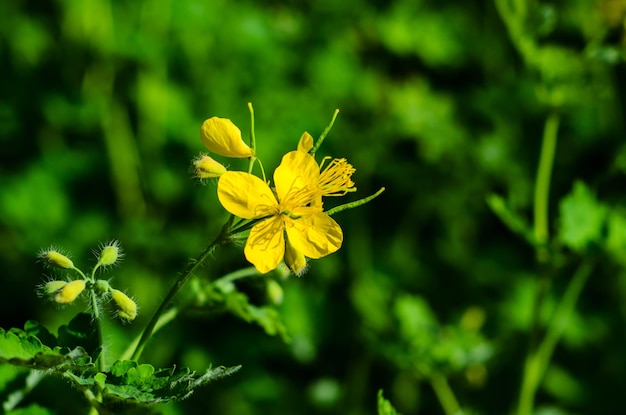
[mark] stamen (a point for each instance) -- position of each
(335, 179)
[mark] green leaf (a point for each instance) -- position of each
(80, 332)
(133, 383)
(582, 219)
(384, 406)
(31, 410)
(20, 348)
(238, 304)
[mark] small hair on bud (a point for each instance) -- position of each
(70, 292)
(205, 167)
(102, 286)
(110, 253)
(126, 307)
(50, 287)
(53, 257)
(295, 260)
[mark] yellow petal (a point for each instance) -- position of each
(223, 137)
(314, 236)
(265, 247)
(245, 195)
(298, 170)
(306, 142)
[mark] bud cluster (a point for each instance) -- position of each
(65, 292)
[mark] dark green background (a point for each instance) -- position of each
(100, 107)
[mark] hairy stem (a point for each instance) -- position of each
(191, 268)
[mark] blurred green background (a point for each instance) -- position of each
(441, 102)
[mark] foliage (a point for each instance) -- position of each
(492, 267)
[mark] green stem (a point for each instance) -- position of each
(191, 268)
(237, 275)
(542, 185)
(354, 204)
(320, 140)
(96, 318)
(96, 313)
(537, 362)
(445, 395)
(169, 315)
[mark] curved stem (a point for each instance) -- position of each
(445, 395)
(320, 140)
(180, 282)
(237, 275)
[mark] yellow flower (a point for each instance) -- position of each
(223, 137)
(292, 210)
(336, 178)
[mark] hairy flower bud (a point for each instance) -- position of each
(51, 287)
(57, 259)
(110, 253)
(295, 260)
(127, 308)
(223, 137)
(206, 168)
(70, 292)
(102, 286)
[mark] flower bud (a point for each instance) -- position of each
(110, 253)
(69, 292)
(306, 142)
(206, 168)
(223, 137)
(127, 308)
(102, 286)
(51, 287)
(57, 259)
(295, 260)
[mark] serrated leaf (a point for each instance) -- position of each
(31, 410)
(19, 348)
(34, 328)
(582, 218)
(136, 383)
(80, 332)
(238, 304)
(384, 406)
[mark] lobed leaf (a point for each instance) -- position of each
(22, 348)
(130, 382)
